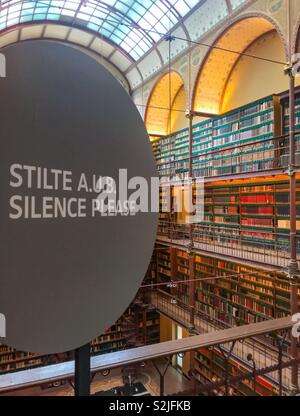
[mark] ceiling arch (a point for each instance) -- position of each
(136, 28)
(161, 103)
(98, 48)
(296, 37)
(218, 64)
(132, 25)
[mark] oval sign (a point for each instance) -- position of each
(72, 255)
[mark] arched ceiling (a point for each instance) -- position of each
(162, 98)
(95, 46)
(133, 25)
(216, 70)
(134, 30)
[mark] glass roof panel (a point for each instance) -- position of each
(134, 25)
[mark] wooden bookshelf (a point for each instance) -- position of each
(216, 144)
(253, 212)
(209, 365)
(242, 294)
(229, 293)
(164, 267)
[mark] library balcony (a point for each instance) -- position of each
(262, 247)
(268, 156)
(261, 157)
(263, 349)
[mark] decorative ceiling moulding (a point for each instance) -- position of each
(235, 13)
(134, 77)
(131, 30)
(180, 24)
(158, 108)
(205, 18)
(276, 11)
(295, 47)
(73, 26)
(14, 35)
(177, 45)
(217, 65)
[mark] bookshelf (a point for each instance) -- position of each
(164, 152)
(209, 365)
(241, 294)
(182, 275)
(247, 213)
(229, 293)
(181, 153)
(285, 126)
(163, 261)
(216, 144)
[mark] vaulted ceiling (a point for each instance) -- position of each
(128, 33)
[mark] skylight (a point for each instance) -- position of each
(133, 25)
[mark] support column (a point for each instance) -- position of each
(293, 264)
(190, 117)
(192, 371)
(82, 371)
(192, 286)
(144, 312)
(173, 260)
(162, 372)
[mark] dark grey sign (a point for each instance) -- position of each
(68, 269)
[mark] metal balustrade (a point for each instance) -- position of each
(231, 242)
(247, 156)
(265, 355)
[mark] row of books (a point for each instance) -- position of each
(109, 347)
(258, 119)
(254, 108)
(165, 272)
(257, 199)
(236, 127)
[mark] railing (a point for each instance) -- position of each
(263, 353)
(233, 242)
(256, 156)
(249, 156)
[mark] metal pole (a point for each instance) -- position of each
(280, 369)
(82, 371)
(162, 374)
(293, 264)
(190, 118)
(191, 253)
(192, 287)
(161, 385)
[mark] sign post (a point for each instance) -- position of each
(82, 371)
